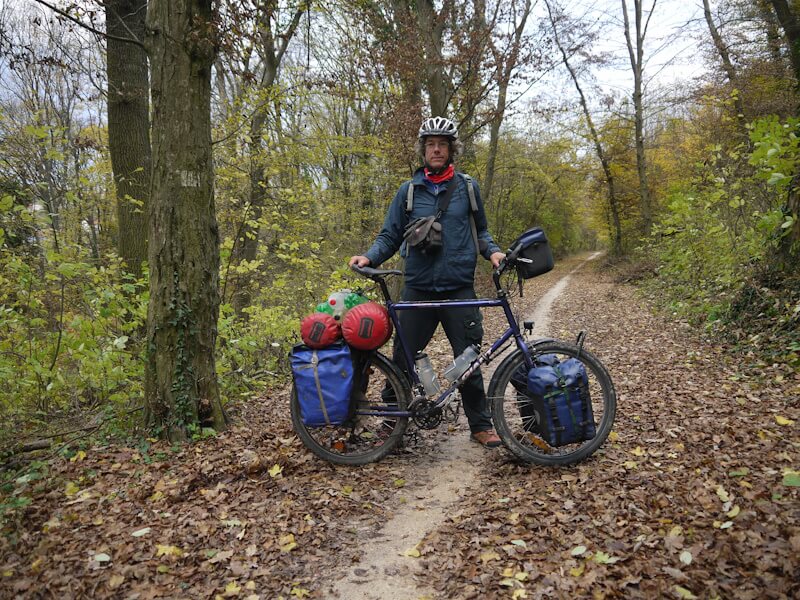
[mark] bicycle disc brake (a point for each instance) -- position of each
(426, 417)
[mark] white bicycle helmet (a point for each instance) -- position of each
(438, 126)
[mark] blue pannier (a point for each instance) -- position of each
(557, 405)
(323, 379)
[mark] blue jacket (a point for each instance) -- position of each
(453, 266)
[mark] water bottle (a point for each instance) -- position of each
(337, 303)
(426, 374)
(461, 363)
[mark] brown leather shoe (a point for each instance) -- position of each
(486, 438)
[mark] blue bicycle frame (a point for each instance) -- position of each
(395, 307)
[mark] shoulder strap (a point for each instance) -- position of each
(410, 196)
(473, 208)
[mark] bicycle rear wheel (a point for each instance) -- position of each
(369, 435)
(519, 432)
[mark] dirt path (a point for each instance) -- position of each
(388, 566)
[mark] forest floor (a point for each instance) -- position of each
(695, 494)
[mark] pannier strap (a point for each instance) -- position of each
(315, 363)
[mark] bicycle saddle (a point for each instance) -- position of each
(373, 273)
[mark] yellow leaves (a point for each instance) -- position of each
(722, 494)
(287, 543)
(115, 581)
(783, 421)
(630, 464)
(684, 593)
(162, 569)
(489, 556)
(601, 558)
(734, 512)
(578, 571)
(721, 525)
(299, 592)
(36, 565)
(71, 489)
(513, 518)
(232, 589)
(275, 470)
(638, 451)
(165, 550)
(79, 455)
(412, 552)
(156, 496)
(398, 483)
(613, 436)
(520, 593)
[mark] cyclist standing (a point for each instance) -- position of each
(449, 272)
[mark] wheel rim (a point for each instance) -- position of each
(372, 431)
(517, 427)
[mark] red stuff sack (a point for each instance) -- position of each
(319, 330)
(367, 326)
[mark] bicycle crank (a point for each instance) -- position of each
(426, 416)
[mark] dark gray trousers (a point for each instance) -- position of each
(463, 326)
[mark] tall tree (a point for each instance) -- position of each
(789, 17)
(505, 63)
(727, 63)
(181, 389)
(129, 126)
(636, 56)
(605, 162)
(271, 38)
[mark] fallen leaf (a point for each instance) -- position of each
(412, 552)
(162, 569)
(519, 543)
(299, 592)
(508, 582)
(80, 455)
(686, 557)
(578, 550)
(521, 576)
(166, 550)
(791, 478)
(287, 543)
(604, 559)
(102, 557)
(141, 532)
(577, 571)
(783, 420)
(115, 581)
(71, 489)
(489, 556)
(398, 483)
(726, 525)
(734, 512)
(637, 451)
(722, 494)
(519, 593)
(232, 589)
(684, 593)
(275, 471)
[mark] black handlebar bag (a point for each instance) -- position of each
(532, 253)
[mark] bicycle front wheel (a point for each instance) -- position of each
(373, 431)
(517, 428)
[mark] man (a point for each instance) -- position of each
(444, 274)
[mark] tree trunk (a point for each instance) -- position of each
(616, 232)
(504, 76)
(727, 65)
(181, 390)
(431, 29)
(788, 256)
(636, 56)
(129, 127)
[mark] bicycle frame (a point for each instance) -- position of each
(485, 357)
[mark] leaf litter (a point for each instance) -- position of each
(710, 507)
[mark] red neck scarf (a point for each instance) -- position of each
(443, 176)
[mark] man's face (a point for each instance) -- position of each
(437, 151)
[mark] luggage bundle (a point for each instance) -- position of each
(554, 400)
(322, 366)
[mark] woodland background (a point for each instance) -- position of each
(256, 146)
